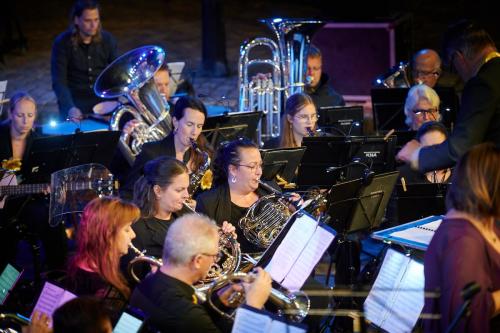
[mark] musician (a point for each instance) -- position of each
(168, 297)
(422, 104)
(25, 217)
(476, 59)
(319, 87)
(104, 235)
(430, 133)
(466, 246)
(299, 116)
(188, 118)
(426, 67)
(78, 57)
(237, 170)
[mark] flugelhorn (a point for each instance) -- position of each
(295, 305)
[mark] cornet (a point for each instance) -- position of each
(295, 305)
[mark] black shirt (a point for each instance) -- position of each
(172, 306)
(75, 68)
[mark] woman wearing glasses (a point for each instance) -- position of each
(299, 120)
(422, 105)
(237, 170)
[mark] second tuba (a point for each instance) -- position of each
(131, 75)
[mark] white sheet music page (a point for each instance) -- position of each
(51, 298)
(399, 285)
(249, 320)
(312, 253)
(291, 247)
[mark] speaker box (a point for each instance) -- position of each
(355, 53)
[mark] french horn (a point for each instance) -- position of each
(131, 75)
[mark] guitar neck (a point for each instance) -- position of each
(22, 189)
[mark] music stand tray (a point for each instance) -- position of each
(231, 126)
(53, 153)
(281, 161)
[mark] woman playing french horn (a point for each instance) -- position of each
(160, 194)
(237, 170)
(188, 118)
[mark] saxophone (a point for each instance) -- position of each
(196, 177)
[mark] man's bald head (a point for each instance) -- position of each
(426, 65)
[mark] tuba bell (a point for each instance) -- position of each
(131, 75)
(267, 93)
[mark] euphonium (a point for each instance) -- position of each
(131, 75)
(288, 65)
(197, 175)
(295, 305)
(265, 218)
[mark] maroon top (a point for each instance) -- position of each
(458, 254)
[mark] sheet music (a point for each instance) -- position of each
(399, 285)
(51, 298)
(249, 320)
(7, 281)
(420, 234)
(308, 259)
(291, 247)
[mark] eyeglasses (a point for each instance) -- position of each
(426, 112)
(252, 167)
(306, 117)
(314, 69)
(216, 256)
(418, 73)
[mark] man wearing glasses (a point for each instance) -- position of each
(474, 55)
(426, 67)
(317, 85)
(168, 298)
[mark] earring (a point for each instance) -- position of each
(233, 179)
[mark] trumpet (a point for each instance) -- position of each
(295, 305)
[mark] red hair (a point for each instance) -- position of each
(101, 222)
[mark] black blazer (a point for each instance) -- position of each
(478, 120)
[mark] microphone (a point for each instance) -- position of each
(470, 290)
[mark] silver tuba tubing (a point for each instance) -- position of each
(295, 305)
(131, 75)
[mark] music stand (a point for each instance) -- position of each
(50, 154)
(281, 161)
(343, 120)
(328, 160)
(231, 126)
(429, 198)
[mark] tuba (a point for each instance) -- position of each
(131, 75)
(265, 218)
(288, 63)
(295, 304)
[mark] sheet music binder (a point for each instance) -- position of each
(288, 280)
(252, 320)
(397, 296)
(388, 234)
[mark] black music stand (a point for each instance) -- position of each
(343, 120)
(328, 160)
(429, 198)
(281, 161)
(53, 153)
(231, 126)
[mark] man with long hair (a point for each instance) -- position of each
(78, 57)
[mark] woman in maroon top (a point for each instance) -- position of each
(466, 247)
